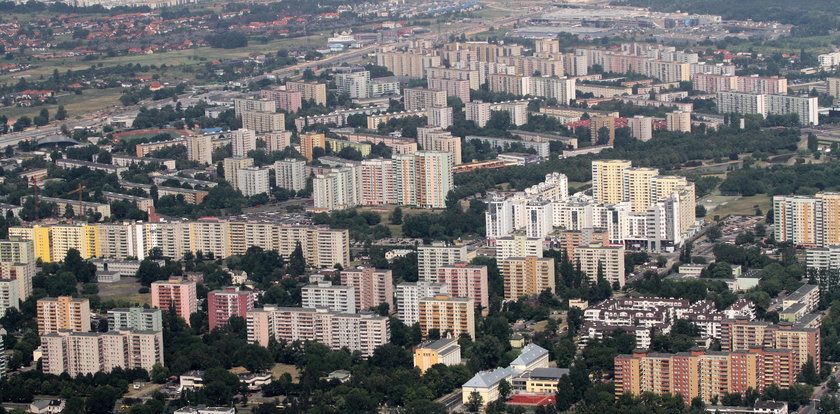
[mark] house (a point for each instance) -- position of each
(255, 381)
(192, 379)
(46, 406)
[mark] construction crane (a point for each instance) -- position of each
(79, 190)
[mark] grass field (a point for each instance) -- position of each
(124, 291)
(89, 101)
(280, 369)
(739, 205)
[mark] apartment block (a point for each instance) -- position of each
(606, 261)
(252, 181)
(804, 342)
(353, 82)
(323, 294)
(17, 263)
(372, 286)
(608, 180)
(135, 318)
(742, 103)
(232, 166)
(808, 220)
(424, 178)
(518, 246)
(310, 91)
(408, 297)
(377, 181)
(467, 281)
(310, 141)
(175, 294)
(708, 375)
(240, 105)
(526, 276)
(416, 99)
(431, 257)
(561, 89)
(63, 313)
(641, 127)
(287, 100)
(448, 315)
(806, 107)
(227, 302)
(242, 141)
(357, 332)
(200, 148)
(833, 86)
(409, 64)
(453, 87)
(221, 236)
(478, 112)
(434, 139)
(338, 188)
(290, 174)
(440, 117)
(678, 121)
(637, 186)
(262, 122)
(83, 353)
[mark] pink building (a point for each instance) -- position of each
(230, 301)
(453, 87)
(289, 101)
(177, 294)
(466, 281)
(373, 286)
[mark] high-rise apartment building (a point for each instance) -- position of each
(277, 141)
(525, 276)
(262, 122)
(440, 117)
(637, 185)
(424, 178)
(518, 246)
(338, 189)
(808, 220)
(200, 148)
(17, 268)
(608, 180)
(598, 260)
(372, 286)
(679, 121)
(242, 141)
(803, 341)
(377, 181)
(310, 91)
(467, 281)
(478, 112)
(357, 332)
(416, 99)
(323, 294)
(353, 81)
(223, 237)
(448, 315)
(232, 165)
(290, 174)
(408, 297)
(240, 105)
(562, 89)
(227, 302)
(453, 87)
(409, 64)
(434, 139)
(833, 85)
(136, 318)
(806, 107)
(177, 295)
(83, 353)
(310, 141)
(703, 374)
(742, 103)
(63, 313)
(252, 181)
(431, 257)
(641, 127)
(287, 100)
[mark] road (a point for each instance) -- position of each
(451, 401)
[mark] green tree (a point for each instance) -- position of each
(474, 403)
(61, 113)
(297, 263)
(68, 211)
(159, 374)
(397, 216)
(714, 233)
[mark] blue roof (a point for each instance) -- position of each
(530, 353)
(487, 379)
(211, 130)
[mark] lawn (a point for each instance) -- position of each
(739, 205)
(124, 291)
(280, 369)
(76, 105)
